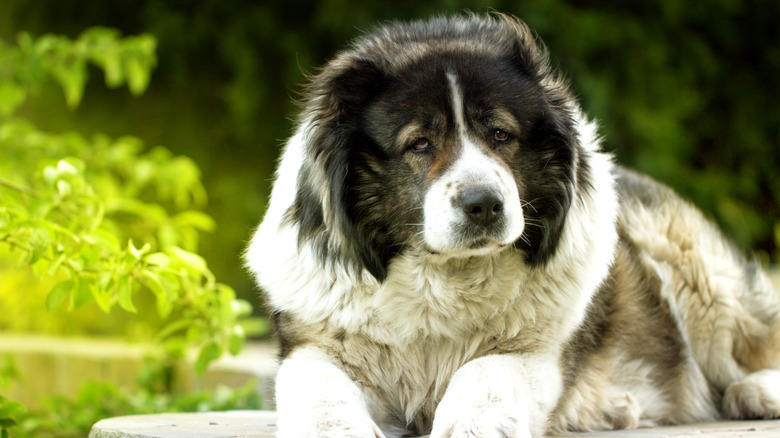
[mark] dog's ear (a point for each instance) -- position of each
(335, 103)
(553, 137)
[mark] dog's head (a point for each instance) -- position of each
(450, 136)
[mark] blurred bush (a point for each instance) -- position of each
(74, 417)
(102, 222)
(102, 218)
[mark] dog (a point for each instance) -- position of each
(448, 250)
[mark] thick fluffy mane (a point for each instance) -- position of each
(334, 218)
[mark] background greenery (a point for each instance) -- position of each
(99, 221)
(685, 91)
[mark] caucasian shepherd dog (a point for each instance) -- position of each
(448, 251)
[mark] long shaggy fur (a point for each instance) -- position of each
(447, 250)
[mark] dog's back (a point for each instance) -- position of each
(683, 319)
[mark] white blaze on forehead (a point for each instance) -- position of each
(456, 97)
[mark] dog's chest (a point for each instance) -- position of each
(405, 384)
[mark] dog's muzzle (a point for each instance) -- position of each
(473, 208)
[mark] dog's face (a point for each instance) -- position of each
(454, 150)
(450, 151)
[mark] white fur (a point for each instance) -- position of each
(443, 219)
(335, 406)
(757, 395)
(506, 395)
(456, 100)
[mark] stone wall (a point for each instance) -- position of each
(53, 365)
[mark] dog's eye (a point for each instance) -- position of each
(501, 136)
(421, 145)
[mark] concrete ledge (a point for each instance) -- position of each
(261, 424)
(232, 424)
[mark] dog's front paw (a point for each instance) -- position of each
(756, 395)
(330, 422)
(491, 419)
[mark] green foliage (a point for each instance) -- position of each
(8, 372)
(104, 221)
(26, 65)
(105, 218)
(64, 417)
(10, 412)
(74, 416)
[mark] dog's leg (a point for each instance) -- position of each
(315, 398)
(756, 395)
(507, 396)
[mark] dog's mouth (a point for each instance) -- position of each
(478, 246)
(480, 243)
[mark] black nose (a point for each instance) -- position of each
(482, 205)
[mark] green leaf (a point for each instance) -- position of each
(196, 219)
(39, 208)
(138, 253)
(102, 239)
(208, 354)
(36, 253)
(124, 293)
(174, 327)
(236, 341)
(112, 68)
(102, 297)
(241, 307)
(190, 260)
(58, 293)
(72, 77)
(9, 408)
(157, 259)
(138, 75)
(152, 281)
(82, 295)
(55, 265)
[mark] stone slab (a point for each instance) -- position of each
(232, 424)
(262, 424)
